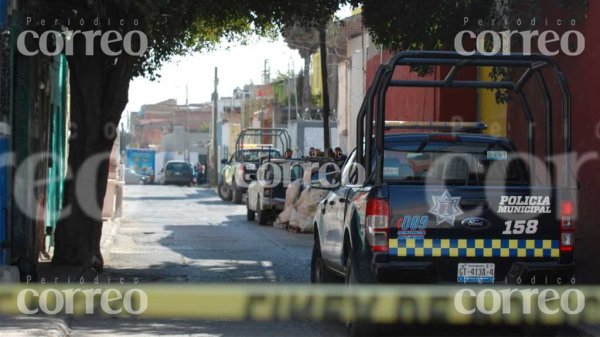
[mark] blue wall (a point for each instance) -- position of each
(3, 12)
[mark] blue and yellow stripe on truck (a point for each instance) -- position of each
(422, 247)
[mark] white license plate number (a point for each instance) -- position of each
(177, 173)
(476, 273)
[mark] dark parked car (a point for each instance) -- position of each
(176, 172)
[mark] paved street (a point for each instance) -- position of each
(173, 234)
(184, 234)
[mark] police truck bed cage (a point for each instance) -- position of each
(436, 126)
(276, 135)
(372, 111)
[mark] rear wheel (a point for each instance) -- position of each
(250, 215)
(356, 327)
(237, 194)
(262, 216)
(224, 192)
(318, 271)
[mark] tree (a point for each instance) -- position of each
(306, 41)
(100, 82)
(433, 24)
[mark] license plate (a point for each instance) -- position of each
(476, 273)
(177, 173)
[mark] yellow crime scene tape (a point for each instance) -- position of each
(385, 304)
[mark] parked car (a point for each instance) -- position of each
(132, 177)
(176, 172)
(266, 197)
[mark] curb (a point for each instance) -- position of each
(33, 326)
(110, 228)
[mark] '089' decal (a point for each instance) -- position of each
(410, 227)
(519, 227)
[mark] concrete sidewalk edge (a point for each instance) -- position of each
(110, 228)
(34, 326)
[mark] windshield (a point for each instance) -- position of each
(456, 163)
(178, 167)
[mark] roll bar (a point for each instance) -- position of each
(372, 111)
(276, 134)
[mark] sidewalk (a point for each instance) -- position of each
(33, 326)
(58, 326)
(70, 274)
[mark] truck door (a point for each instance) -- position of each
(335, 219)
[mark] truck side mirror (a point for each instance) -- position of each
(223, 161)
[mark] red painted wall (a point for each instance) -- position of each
(426, 104)
(583, 76)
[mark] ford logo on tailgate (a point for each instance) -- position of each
(476, 223)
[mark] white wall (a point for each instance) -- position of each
(343, 105)
(358, 47)
(313, 137)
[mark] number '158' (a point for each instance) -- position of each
(520, 226)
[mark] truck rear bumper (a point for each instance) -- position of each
(273, 203)
(541, 273)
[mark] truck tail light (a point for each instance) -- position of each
(567, 225)
(239, 175)
(378, 224)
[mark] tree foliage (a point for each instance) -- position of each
(420, 25)
(176, 27)
(433, 24)
(305, 40)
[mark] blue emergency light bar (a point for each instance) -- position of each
(437, 126)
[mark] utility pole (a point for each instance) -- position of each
(295, 90)
(243, 110)
(288, 92)
(186, 143)
(325, 89)
(215, 148)
(266, 73)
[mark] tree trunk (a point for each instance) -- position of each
(99, 93)
(306, 95)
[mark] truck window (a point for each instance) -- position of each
(254, 155)
(452, 163)
(350, 170)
